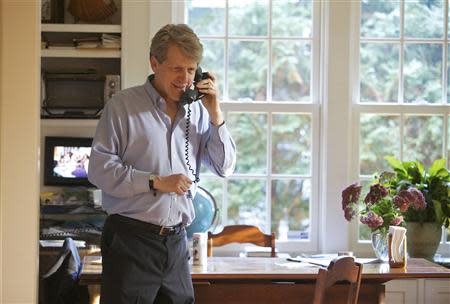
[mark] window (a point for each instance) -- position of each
(402, 91)
(265, 54)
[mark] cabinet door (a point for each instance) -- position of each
(437, 291)
(403, 292)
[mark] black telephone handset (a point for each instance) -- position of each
(189, 96)
(192, 94)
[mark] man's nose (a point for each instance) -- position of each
(185, 77)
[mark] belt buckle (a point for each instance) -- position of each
(161, 230)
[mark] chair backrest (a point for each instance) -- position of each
(241, 234)
(342, 268)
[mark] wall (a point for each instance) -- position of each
(19, 150)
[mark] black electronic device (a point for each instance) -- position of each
(189, 96)
(66, 161)
(192, 94)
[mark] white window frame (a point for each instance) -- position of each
(400, 108)
(313, 108)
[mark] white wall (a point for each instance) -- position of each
(19, 150)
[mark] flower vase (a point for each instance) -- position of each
(423, 239)
(380, 245)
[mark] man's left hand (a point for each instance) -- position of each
(210, 100)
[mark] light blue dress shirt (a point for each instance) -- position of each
(136, 138)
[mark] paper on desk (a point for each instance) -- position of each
(324, 262)
(294, 265)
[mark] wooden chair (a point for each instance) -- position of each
(342, 268)
(241, 234)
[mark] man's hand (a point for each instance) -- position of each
(178, 183)
(210, 100)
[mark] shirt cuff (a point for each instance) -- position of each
(140, 181)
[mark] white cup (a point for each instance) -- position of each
(200, 248)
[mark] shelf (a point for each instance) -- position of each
(81, 53)
(67, 122)
(81, 28)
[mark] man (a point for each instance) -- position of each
(138, 161)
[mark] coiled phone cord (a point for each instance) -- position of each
(186, 144)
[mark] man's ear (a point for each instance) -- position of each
(154, 63)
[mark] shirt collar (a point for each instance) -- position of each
(156, 98)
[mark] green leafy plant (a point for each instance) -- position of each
(434, 183)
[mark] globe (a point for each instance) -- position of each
(205, 212)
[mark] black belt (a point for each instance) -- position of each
(144, 226)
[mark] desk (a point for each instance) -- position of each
(271, 280)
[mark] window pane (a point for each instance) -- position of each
(380, 18)
(206, 17)
(247, 75)
(379, 70)
(249, 131)
(213, 185)
(291, 208)
(423, 73)
(291, 71)
(421, 13)
(213, 61)
(364, 232)
(248, 17)
(292, 18)
(247, 203)
(379, 137)
(423, 139)
(448, 143)
(448, 75)
(291, 140)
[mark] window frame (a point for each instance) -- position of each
(400, 108)
(312, 108)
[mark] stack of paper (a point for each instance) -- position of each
(397, 246)
(111, 41)
(59, 243)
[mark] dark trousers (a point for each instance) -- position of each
(143, 267)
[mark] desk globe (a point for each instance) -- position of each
(205, 212)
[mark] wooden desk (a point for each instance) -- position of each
(275, 280)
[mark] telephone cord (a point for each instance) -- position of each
(186, 145)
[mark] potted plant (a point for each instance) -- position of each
(424, 227)
(380, 208)
(410, 196)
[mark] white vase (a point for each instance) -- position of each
(380, 245)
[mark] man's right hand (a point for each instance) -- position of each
(178, 183)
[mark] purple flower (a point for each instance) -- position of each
(372, 220)
(401, 201)
(418, 202)
(410, 197)
(397, 221)
(376, 193)
(350, 197)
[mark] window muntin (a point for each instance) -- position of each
(264, 57)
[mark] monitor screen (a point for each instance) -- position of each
(66, 161)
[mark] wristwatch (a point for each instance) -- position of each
(151, 183)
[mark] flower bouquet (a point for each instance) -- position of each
(383, 205)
